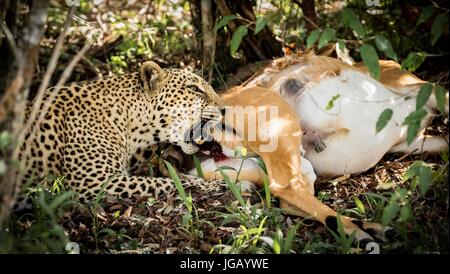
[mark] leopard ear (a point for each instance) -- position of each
(151, 73)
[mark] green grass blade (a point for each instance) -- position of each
(290, 238)
(177, 181)
(60, 199)
(102, 193)
(266, 189)
(198, 167)
(233, 187)
(359, 205)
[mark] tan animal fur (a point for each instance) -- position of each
(283, 164)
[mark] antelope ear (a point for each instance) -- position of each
(151, 73)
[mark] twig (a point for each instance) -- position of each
(255, 48)
(51, 66)
(64, 76)
(406, 155)
(28, 49)
(220, 75)
(18, 81)
(304, 16)
(436, 54)
(10, 38)
(249, 22)
(92, 66)
(224, 11)
(311, 22)
(39, 97)
(358, 41)
(439, 7)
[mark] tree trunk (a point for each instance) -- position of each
(196, 20)
(22, 54)
(216, 46)
(8, 11)
(309, 12)
(15, 79)
(264, 40)
(209, 37)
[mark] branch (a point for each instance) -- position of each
(309, 13)
(224, 11)
(62, 80)
(18, 178)
(18, 78)
(27, 49)
(56, 51)
(51, 64)
(10, 38)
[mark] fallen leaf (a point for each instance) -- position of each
(385, 185)
(127, 212)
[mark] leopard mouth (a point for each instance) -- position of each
(200, 137)
(213, 149)
(197, 134)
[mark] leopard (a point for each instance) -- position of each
(94, 132)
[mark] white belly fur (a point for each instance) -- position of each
(250, 170)
(361, 101)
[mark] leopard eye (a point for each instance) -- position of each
(196, 89)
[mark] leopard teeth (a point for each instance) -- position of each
(199, 141)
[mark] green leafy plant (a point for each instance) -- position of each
(439, 24)
(190, 221)
(439, 94)
(384, 45)
(413, 61)
(351, 20)
(198, 167)
(261, 22)
(224, 21)
(281, 244)
(330, 103)
(420, 176)
(383, 119)
(44, 234)
(370, 58)
(344, 242)
(312, 38)
(328, 35)
(94, 208)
